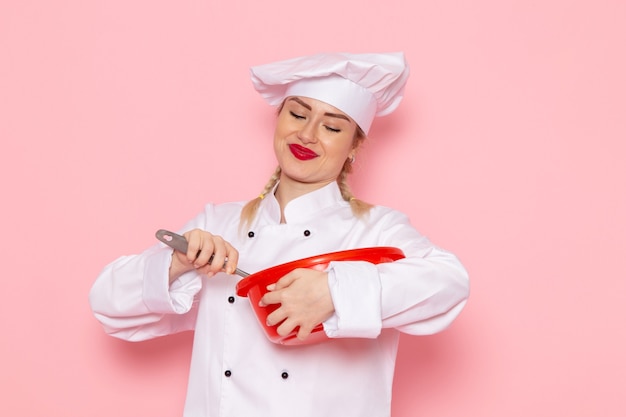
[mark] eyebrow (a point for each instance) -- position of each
(303, 104)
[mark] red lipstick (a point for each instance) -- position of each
(302, 153)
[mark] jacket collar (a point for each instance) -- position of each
(303, 208)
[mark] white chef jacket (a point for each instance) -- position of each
(235, 370)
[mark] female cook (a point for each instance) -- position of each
(326, 103)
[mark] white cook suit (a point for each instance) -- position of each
(235, 370)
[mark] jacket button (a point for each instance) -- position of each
(284, 375)
(250, 234)
(228, 373)
(307, 233)
(231, 299)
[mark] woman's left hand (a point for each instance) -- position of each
(304, 299)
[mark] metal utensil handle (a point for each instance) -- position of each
(173, 240)
(179, 243)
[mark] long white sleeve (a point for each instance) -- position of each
(420, 294)
(133, 301)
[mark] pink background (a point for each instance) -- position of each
(121, 117)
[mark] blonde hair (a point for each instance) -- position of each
(359, 207)
(249, 210)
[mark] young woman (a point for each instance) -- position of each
(326, 105)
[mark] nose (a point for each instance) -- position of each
(307, 133)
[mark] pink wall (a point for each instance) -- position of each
(121, 117)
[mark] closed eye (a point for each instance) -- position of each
(297, 116)
(332, 129)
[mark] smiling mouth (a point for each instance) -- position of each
(302, 153)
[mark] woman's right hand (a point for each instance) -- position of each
(201, 246)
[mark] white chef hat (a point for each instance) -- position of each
(361, 85)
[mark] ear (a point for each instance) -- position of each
(359, 138)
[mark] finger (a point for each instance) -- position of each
(194, 244)
(269, 298)
(276, 317)
(286, 327)
(219, 254)
(206, 252)
(304, 332)
(285, 281)
(233, 258)
(205, 270)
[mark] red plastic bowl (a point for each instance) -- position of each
(255, 285)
